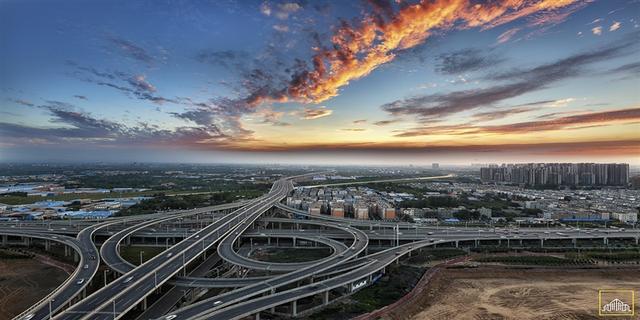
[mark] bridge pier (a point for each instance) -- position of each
(294, 308)
(457, 245)
(26, 241)
(637, 240)
(575, 242)
(541, 243)
(605, 241)
(47, 245)
(5, 240)
(258, 316)
(66, 251)
(476, 243)
(325, 298)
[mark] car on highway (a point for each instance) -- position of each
(86, 266)
(217, 303)
(29, 316)
(81, 281)
(170, 317)
(127, 280)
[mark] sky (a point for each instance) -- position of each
(322, 82)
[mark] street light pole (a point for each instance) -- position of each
(50, 309)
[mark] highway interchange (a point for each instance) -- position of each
(222, 233)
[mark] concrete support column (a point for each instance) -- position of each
(541, 243)
(325, 298)
(575, 242)
(637, 240)
(606, 241)
(268, 241)
(5, 240)
(47, 245)
(258, 316)
(26, 241)
(457, 244)
(66, 251)
(294, 308)
(144, 304)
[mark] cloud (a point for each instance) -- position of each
(135, 86)
(280, 10)
(139, 82)
(231, 59)
(579, 121)
(358, 48)
(466, 60)
(272, 117)
(354, 129)
(598, 20)
(281, 28)
(494, 115)
(131, 50)
(81, 97)
(615, 26)
(597, 30)
(507, 35)
(315, 113)
(386, 122)
(22, 102)
(72, 125)
(360, 121)
(561, 102)
(630, 69)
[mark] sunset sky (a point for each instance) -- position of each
(339, 82)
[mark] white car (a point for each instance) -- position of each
(81, 281)
(170, 317)
(127, 280)
(217, 303)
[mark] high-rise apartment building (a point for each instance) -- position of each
(553, 174)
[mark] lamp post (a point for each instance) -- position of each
(50, 309)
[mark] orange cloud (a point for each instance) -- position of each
(357, 51)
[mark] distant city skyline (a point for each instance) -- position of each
(320, 82)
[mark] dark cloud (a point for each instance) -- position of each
(627, 71)
(22, 102)
(579, 121)
(467, 60)
(518, 82)
(386, 122)
(132, 85)
(231, 59)
(82, 127)
(360, 121)
(494, 115)
(130, 49)
(81, 97)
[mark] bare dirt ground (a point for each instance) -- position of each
(497, 292)
(24, 282)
